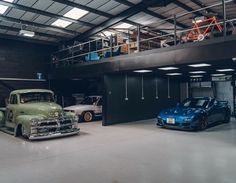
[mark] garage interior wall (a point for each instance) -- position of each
(22, 60)
(119, 110)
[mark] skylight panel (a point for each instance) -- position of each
(61, 23)
(75, 13)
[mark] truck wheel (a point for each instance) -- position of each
(88, 116)
(24, 132)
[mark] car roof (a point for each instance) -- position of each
(21, 91)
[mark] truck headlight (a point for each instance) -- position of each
(34, 122)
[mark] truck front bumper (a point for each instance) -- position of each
(42, 136)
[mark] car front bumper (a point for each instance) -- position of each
(54, 135)
(193, 125)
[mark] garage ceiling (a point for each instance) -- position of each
(39, 15)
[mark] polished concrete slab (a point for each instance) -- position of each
(136, 152)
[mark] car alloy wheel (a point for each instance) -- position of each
(88, 116)
(204, 123)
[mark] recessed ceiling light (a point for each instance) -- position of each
(197, 72)
(216, 75)
(61, 23)
(3, 9)
(234, 58)
(143, 71)
(174, 74)
(168, 68)
(199, 65)
(123, 26)
(197, 76)
(225, 70)
(75, 13)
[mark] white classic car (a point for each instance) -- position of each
(89, 109)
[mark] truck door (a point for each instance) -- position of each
(10, 111)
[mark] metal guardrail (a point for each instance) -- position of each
(74, 54)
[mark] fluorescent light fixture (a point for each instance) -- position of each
(225, 70)
(75, 13)
(168, 68)
(174, 74)
(3, 9)
(26, 33)
(143, 71)
(197, 72)
(197, 76)
(199, 65)
(216, 75)
(123, 26)
(61, 23)
(10, 1)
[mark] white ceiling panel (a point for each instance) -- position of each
(42, 4)
(97, 3)
(15, 13)
(41, 19)
(28, 16)
(28, 3)
(56, 8)
(118, 9)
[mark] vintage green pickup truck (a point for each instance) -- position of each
(33, 114)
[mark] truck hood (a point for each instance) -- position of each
(47, 109)
(182, 111)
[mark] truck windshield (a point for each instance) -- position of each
(36, 97)
(195, 103)
(89, 101)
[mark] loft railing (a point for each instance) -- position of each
(136, 41)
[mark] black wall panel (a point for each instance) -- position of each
(22, 60)
(119, 110)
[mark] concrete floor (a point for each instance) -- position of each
(128, 153)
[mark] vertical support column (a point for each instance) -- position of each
(138, 38)
(111, 44)
(224, 17)
(175, 31)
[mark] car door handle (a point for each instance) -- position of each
(22, 112)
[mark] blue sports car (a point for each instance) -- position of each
(195, 114)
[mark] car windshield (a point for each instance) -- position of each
(35, 97)
(195, 103)
(89, 101)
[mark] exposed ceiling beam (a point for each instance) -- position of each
(83, 7)
(95, 11)
(120, 17)
(154, 14)
(46, 27)
(36, 32)
(45, 13)
(202, 5)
